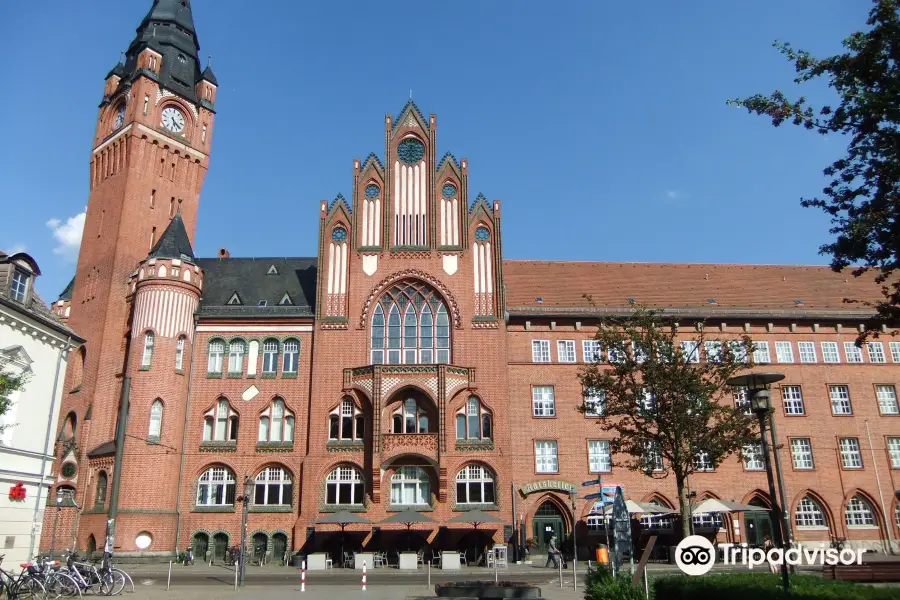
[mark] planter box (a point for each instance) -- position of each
(487, 591)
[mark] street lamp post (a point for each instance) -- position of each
(757, 385)
(245, 499)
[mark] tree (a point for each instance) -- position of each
(9, 383)
(862, 193)
(669, 411)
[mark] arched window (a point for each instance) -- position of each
(236, 357)
(473, 421)
(346, 422)
(156, 414)
(100, 495)
(179, 353)
(410, 486)
(809, 514)
(147, 357)
(344, 486)
(216, 487)
(270, 357)
(409, 417)
(69, 427)
(291, 356)
(273, 487)
(475, 485)
(216, 356)
(276, 423)
(859, 513)
(410, 334)
(220, 423)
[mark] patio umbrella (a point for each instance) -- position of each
(714, 505)
(342, 518)
(408, 517)
(635, 508)
(476, 517)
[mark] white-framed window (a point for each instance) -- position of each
(410, 486)
(545, 457)
(738, 351)
(475, 485)
(690, 349)
(639, 352)
(344, 486)
(830, 352)
(540, 351)
(784, 352)
(156, 415)
(647, 401)
(840, 400)
(179, 353)
(473, 421)
(18, 288)
(661, 523)
(876, 352)
(851, 457)
(801, 453)
(653, 461)
(713, 351)
(761, 353)
(599, 456)
(895, 354)
(594, 402)
(702, 463)
(410, 325)
(887, 399)
(854, 354)
(809, 514)
(543, 401)
(273, 487)
(708, 521)
(216, 487)
(565, 350)
(859, 513)
(276, 423)
(236, 357)
(591, 351)
(220, 424)
(147, 356)
(346, 422)
(753, 457)
(291, 356)
(807, 352)
(741, 399)
(598, 522)
(616, 354)
(270, 356)
(793, 400)
(216, 352)
(409, 417)
(893, 445)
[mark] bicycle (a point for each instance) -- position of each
(25, 585)
(87, 577)
(57, 582)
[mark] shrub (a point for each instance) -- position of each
(763, 586)
(603, 586)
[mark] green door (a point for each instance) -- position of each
(547, 522)
(759, 526)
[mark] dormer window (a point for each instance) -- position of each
(18, 289)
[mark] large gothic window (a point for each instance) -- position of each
(410, 325)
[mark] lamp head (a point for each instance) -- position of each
(759, 402)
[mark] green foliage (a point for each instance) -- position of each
(862, 194)
(664, 407)
(9, 383)
(763, 586)
(601, 585)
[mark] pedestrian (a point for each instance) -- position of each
(767, 547)
(552, 551)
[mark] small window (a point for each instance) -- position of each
(887, 399)
(203, 134)
(599, 457)
(753, 457)
(590, 350)
(346, 422)
(851, 456)
(876, 352)
(830, 352)
(761, 353)
(543, 401)
(540, 351)
(216, 356)
(784, 352)
(854, 353)
(801, 453)
(276, 423)
(807, 351)
(270, 356)
(566, 351)
(793, 400)
(100, 495)
(473, 421)
(179, 354)
(156, 414)
(18, 289)
(291, 355)
(690, 350)
(840, 400)
(236, 357)
(147, 357)
(594, 403)
(546, 457)
(220, 423)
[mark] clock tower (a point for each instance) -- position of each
(149, 158)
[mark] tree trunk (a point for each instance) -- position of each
(684, 505)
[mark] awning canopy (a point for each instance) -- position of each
(714, 505)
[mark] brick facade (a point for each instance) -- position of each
(408, 231)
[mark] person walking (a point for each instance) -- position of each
(552, 551)
(768, 545)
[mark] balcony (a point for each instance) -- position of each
(423, 444)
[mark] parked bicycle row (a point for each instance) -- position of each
(63, 579)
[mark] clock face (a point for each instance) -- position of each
(172, 119)
(120, 116)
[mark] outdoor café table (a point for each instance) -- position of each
(316, 562)
(367, 557)
(409, 560)
(450, 560)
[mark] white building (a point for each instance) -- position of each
(33, 341)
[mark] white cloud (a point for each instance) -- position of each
(68, 235)
(673, 195)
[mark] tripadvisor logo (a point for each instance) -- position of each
(695, 555)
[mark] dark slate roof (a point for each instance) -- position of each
(174, 242)
(67, 293)
(104, 449)
(119, 70)
(209, 76)
(250, 278)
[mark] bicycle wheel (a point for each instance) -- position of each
(118, 581)
(29, 588)
(62, 585)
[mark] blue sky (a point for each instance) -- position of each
(601, 126)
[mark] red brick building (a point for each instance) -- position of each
(407, 365)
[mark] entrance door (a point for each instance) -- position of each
(759, 526)
(547, 522)
(200, 546)
(279, 547)
(260, 546)
(220, 544)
